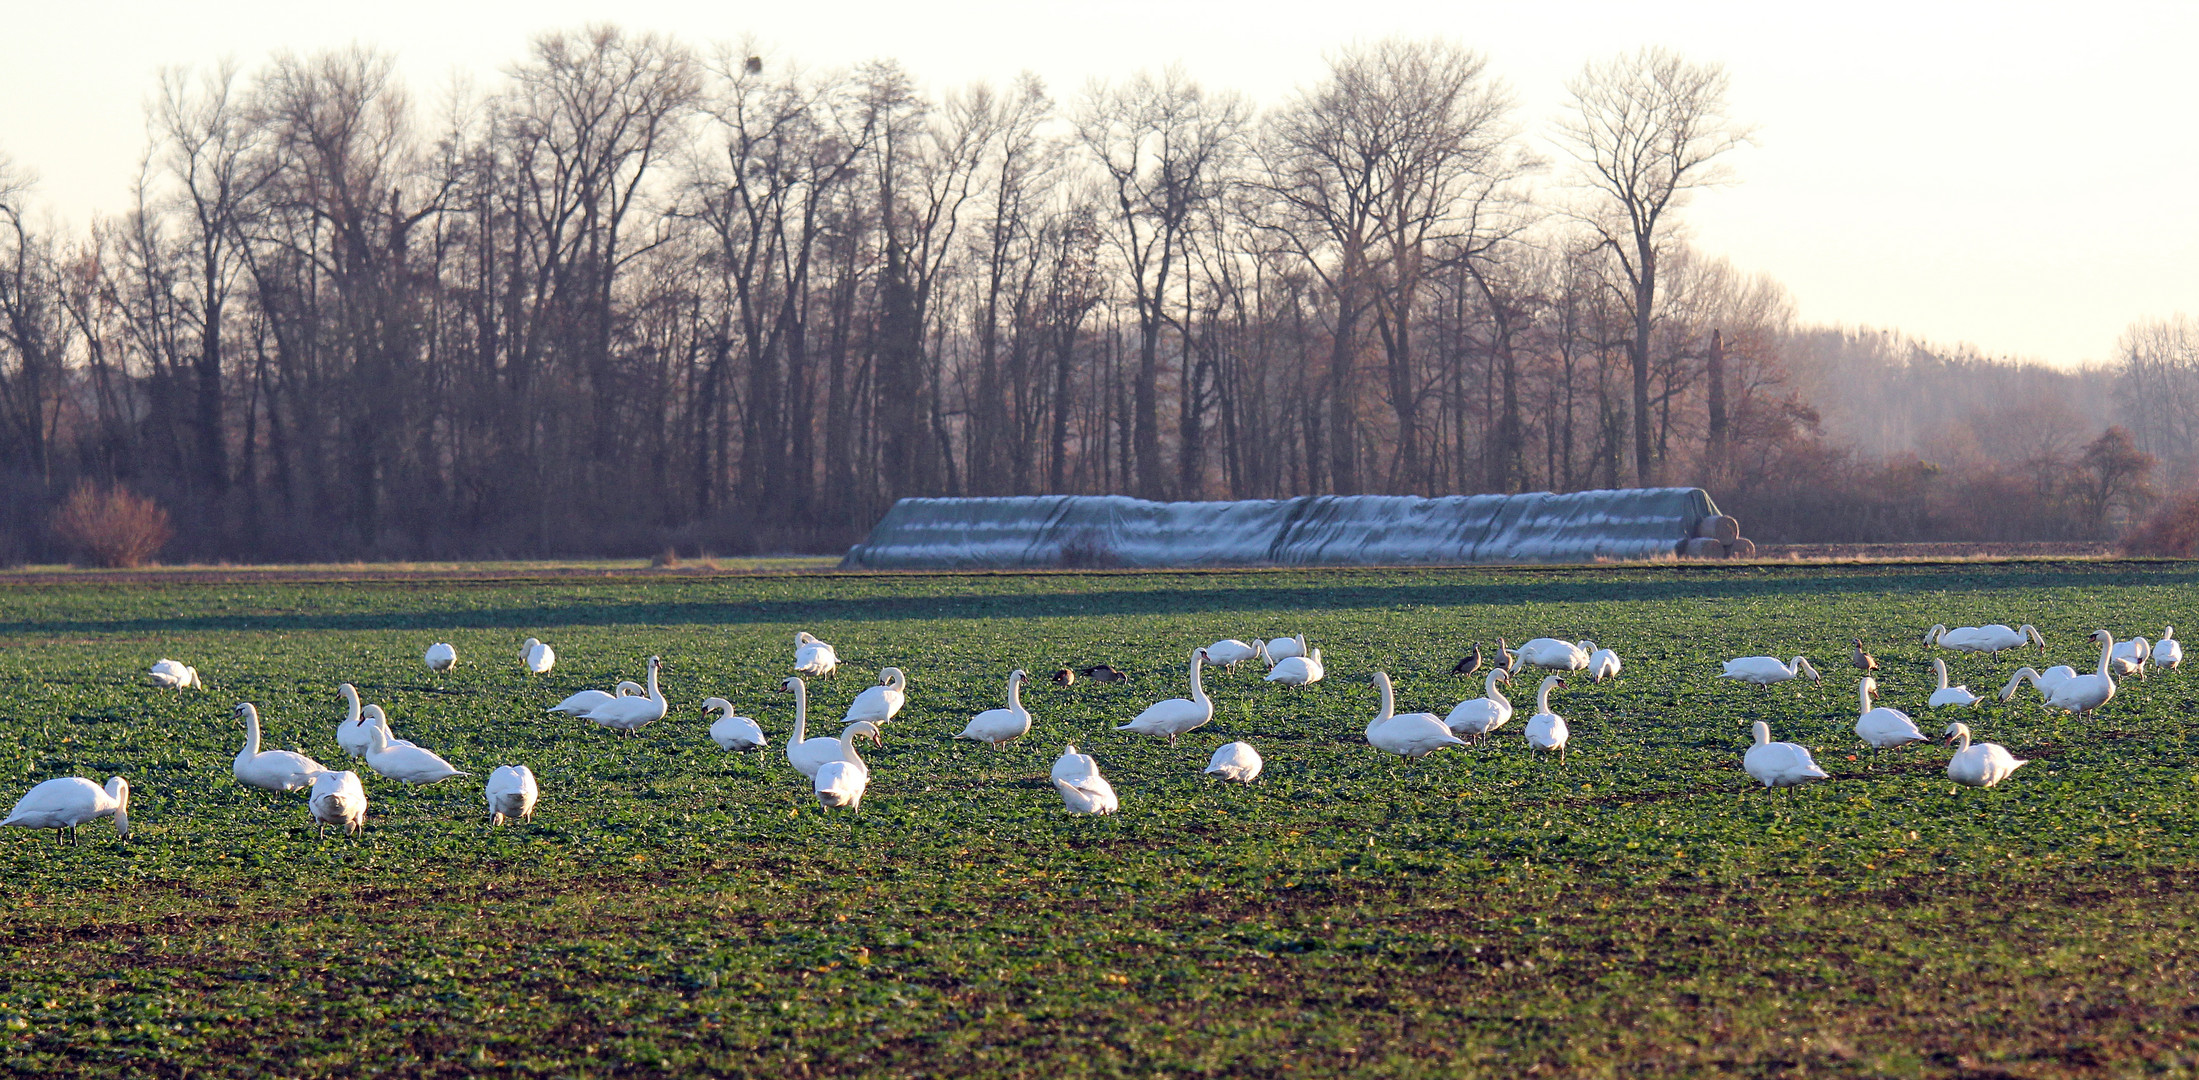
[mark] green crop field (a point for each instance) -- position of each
(674, 909)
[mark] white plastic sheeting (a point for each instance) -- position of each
(1320, 530)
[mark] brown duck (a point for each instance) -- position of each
(1862, 660)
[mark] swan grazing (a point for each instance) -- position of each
(2168, 652)
(1283, 648)
(2044, 682)
(1949, 695)
(338, 799)
(405, 761)
(170, 675)
(351, 734)
(1411, 735)
(1176, 715)
(2081, 694)
(441, 656)
(840, 783)
(882, 702)
(1071, 764)
(511, 793)
(1001, 726)
(1550, 653)
(732, 732)
(631, 714)
(1602, 663)
(63, 803)
(1982, 765)
(1085, 793)
(538, 657)
(1230, 652)
(1766, 670)
(2130, 657)
(1546, 730)
(807, 754)
(275, 770)
(1779, 764)
(1881, 727)
(589, 699)
(1993, 638)
(1235, 761)
(1482, 715)
(1298, 670)
(814, 658)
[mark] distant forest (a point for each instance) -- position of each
(641, 296)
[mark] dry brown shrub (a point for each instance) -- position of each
(2172, 531)
(112, 527)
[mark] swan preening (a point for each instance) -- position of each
(338, 799)
(1482, 715)
(882, 702)
(1552, 654)
(1779, 764)
(841, 782)
(1883, 728)
(1230, 652)
(2168, 652)
(63, 803)
(1949, 695)
(1298, 670)
(1983, 765)
(1766, 670)
(273, 770)
(589, 699)
(170, 675)
(2044, 682)
(631, 714)
(814, 658)
(1283, 648)
(511, 793)
(1176, 715)
(1410, 735)
(2129, 657)
(1002, 726)
(441, 656)
(1235, 761)
(537, 657)
(732, 732)
(1547, 730)
(1083, 790)
(1993, 638)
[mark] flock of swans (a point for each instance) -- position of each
(839, 776)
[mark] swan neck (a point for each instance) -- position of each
(1198, 689)
(1389, 705)
(801, 711)
(1763, 733)
(1489, 688)
(2107, 648)
(1939, 666)
(1863, 690)
(1015, 694)
(251, 733)
(655, 694)
(351, 703)
(1542, 698)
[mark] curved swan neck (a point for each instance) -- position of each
(1863, 690)
(118, 789)
(1939, 667)
(1763, 733)
(655, 694)
(1198, 691)
(251, 731)
(1489, 688)
(2107, 649)
(1015, 692)
(351, 702)
(1542, 694)
(801, 710)
(1389, 702)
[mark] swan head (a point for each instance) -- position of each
(2102, 636)
(893, 677)
(793, 684)
(1762, 731)
(1501, 675)
(802, 637)
(246, 711)
(1019, 676)
(713, 704)
(118, 789)
(1587, 646)
(1553, 682)
(859, 729)
(1956, 731)
(350, 692)
(1381, 680)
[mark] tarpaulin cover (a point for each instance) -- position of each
(1317, 530)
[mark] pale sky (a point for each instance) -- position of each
(2015, 176)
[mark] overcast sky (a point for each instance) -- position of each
(2019, 177)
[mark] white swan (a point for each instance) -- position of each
(66, 802)
(170, 675)
(1087, 793)
(338, 799)
(840, 783)
(1298, 670)
(631, 714)
(1001, 726)
(1230, 652)
(1779, 764)
(1549, 653)
(1546, 730)
(1071, 765)
(1949, 695)
(1982, 765)
(538, 657)
(1766, 670)
(1482, 715)
(405, 762)
(807, 754)
(372, 717)
(589, 699)
(1881, 727)
(1283, 648)
(1235, 761)
(882, 702)
(275, 770)
(1411, 735)
(441, 656)
(1176, 715)
(1992, 638)
(511, 793)
(2081, 694)
(2044, 682)
(814, 658)
(2130, 657)
(2168, 652)
(732, 732)
(351, 734)
(1602, 663)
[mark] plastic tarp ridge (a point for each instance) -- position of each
(1315, 530)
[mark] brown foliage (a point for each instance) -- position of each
(112, 527)
(2172, 531)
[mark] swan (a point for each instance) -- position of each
(275, 770)
(840, 783)
(538, 657)
(1283, 648)
(1176, 715)
(1982, 765)
(1410, 735)
(1482, 715)
(1949, 695)
(1071, 765)
(1881, 727)
(511, 793)
(1546, 730)
(999, 726)
(589, 699)
(2168, 652)
(1766, 670)
(1230, 652)
(2044, 682)
(406, 762)
(351, 734)
(1087, 793)
(1549, 653)
(66, 802)
(809, 755)
(732, 732)
(372, 717)
(441, 657)
(1602, 663)
(1235, 761)
(170, 675)
(2130, 657)
(882, 702)
(1298, 670)
(1779, 764)
(814, 658)
(338, 799)
(1992, 638)
(631, 714)
(2081, 694)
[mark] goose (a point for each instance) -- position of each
(1983, 765)
(1176, 715)
(882, 702)
(441, 656)
(2081, 694)
(1546, 730)
(2130, 657)
(65, 802)
(1506, 658)
(1862, 661)
(807, 754)
(1602, 663)
(274, 770)
(2168, 652)
(1071, 765)
(1299, 670)
(170, 675)
(1283, 648)
(1482, 715)
(511, 793)
(2044, 682)
(1065, 677)
(840, 783)
(1766, 670)
(1470, 663)
(405, 762)
(1549, 653)
(1410, 735)
(1103, 673)
(589, 699)
(814, 658)
(1230, 652)
(732, 732)
(1992, 638)
(631, 714)
(1235, 761)
(1881, 727)
(1950, 695)
(351, 734)
(1779, 764)
(338, 799)
(1087, 793)
(538, 657)
(1002, 726)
